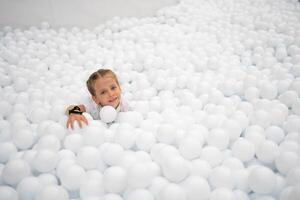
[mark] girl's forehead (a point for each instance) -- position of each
(106, 78)
(105, 81)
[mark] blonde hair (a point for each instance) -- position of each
(99, 74)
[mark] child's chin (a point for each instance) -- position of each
(113, 105)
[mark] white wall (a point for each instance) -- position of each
(68, 13)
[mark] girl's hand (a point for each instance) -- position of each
(76, 117)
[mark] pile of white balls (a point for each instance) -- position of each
(215, 93)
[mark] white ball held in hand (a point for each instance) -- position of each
(108, 114)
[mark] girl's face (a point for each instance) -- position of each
(107, 92)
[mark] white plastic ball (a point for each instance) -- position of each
(45, 160)
(8, 193)
(165, 152)
(294, 193)
(201, 168)
(291, 142)
(127, 160)
(283, 86)
(286, 161)
(218, 138)
(233, 163)
(6, 150)
(20, 125)
(138, 176)
(221, 176)
(232, 128)
(166, 134)
(73, 142)
(108, 114)
(255, 137)
(295, 86)
(5, 108)
(15, 170)
(56, 129)
(296, 106)
(199, 133)
(172, 192)
(222, 194)
(139, 194)
(73, 177)
(242, 120)
(88, 157)
(175, 168)
(293, 176)
(91, 187)
(112, 196)
(154, 169)
(131, 117)
(281, 183)
(142, 107)
(20, 84)
(157, 183)
(66, 154)
(239, 194)
(143, 157)
(48, 179)
(241, 180)
(50, 192)
(243, 150)
(262, 180)
(115, 179)
(251, 94)
(277, 116)
(28, 188)
(93, 135)
(5, 80)
(275, 134)
(63, 165)
(29, 155)
(268, 91)
(112, 153)
(280, 53)
(261, 118)
(284, 195)
(292, 124)
(38, 115)
(145, 140)
(190, 148)
(267, 151)
(125, 137)
(212, 155)
(23, 139)
(149, 124)
(196, 188)
(288, 97)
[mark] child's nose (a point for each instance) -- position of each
(110, 93)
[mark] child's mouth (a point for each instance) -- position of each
(113, 100)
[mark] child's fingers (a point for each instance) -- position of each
(80, 119)
(79, 123)
(72, 126)
(85, 121)
(69, 124)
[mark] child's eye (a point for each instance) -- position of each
(113, 87)
(103, 92)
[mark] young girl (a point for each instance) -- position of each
(105, 90)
